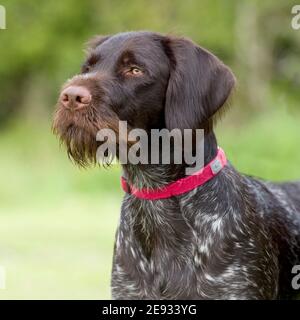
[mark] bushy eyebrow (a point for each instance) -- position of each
(93, 59)
(129, 58)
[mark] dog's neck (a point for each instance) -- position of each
(157, 175)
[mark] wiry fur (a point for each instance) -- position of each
(235, 237)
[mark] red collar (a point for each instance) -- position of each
(182, 185)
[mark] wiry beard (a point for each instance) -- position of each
(78, 131)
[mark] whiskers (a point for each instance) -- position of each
(77, 131)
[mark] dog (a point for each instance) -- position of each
(229, 237)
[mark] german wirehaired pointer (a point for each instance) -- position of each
(228, 236)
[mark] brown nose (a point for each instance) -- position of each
(75, 97)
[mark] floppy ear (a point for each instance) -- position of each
(199, 84)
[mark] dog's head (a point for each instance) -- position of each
(150, 80)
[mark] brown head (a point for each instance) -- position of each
(150, 80)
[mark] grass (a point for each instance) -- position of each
(57, 223)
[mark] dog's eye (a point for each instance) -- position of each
(134, 71)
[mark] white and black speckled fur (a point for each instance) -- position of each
(233, 238)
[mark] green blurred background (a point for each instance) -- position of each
(57, 223)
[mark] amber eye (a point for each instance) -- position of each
(134, 71)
